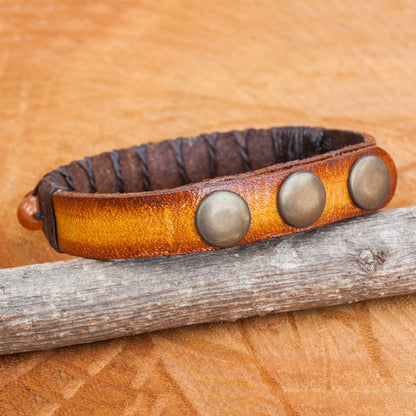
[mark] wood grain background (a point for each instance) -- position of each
(78, 78)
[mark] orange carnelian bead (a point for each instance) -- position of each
(26, 213)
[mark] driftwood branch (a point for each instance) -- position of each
(56, 304)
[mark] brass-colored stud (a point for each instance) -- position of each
(369, 182)
(222, 218)
(301, 199)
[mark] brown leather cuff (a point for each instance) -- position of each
(143, 201)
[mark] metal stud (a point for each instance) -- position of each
(222, 218)
(301, 199)
(369, 182)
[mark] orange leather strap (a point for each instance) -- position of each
(142, 201)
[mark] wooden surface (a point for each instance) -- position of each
(369, 257)
(78, 78)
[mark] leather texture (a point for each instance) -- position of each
(141, 201)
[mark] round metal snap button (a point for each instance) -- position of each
(222, 218)
(301, 199)
(369, 182)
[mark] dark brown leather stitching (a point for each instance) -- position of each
(210, 139)
(63, 170)
(115, 159)
(177, 147)
(241, 140)
(86, 164)
(141, 153)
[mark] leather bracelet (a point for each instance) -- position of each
(210, 191)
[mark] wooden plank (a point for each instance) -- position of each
(78, 301)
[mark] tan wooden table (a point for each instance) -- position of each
(78, 78)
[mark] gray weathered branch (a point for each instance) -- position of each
(56, 304)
